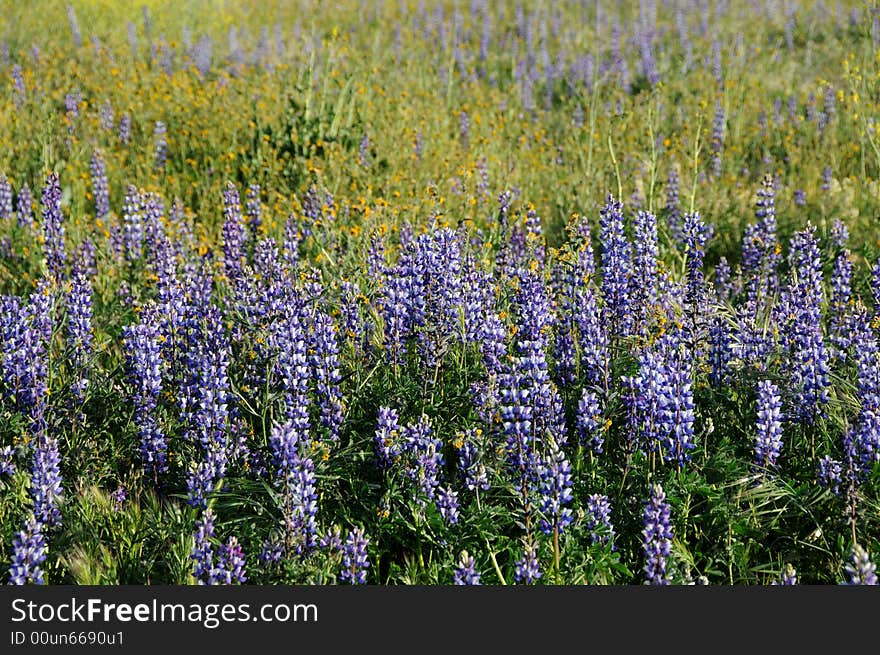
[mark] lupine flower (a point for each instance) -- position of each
(28, 553)
(71, 105)
(867, 357)
(18, 85)
(875, 285)
(642, 413)
(53, 228)
(470, 465)
(620, 65)
(483, 181)
(839, 234)
(133, 223)
(841, 297)
(636, 200)
(351, 324)
(179, 298)
(792, 106)
(84, 259)
(254, 210)
(284, 443)
(482, 325)
(431, 269)
(720, 350)
(681, 25)
(202, 55)
(26, 332)
(493, 346)
(861, 446)
(644, 276)
(696, 233)
(672, 209)
(811, 109)
(25, 206)
(79, 329)
(400, 305)
(811, 366)
(577, 117)
(464, 128)
(376, 264)
(299, 488)
(332, 541)
(648, 60)
(856, 454)
(555, 491)
(485, 397)
(529, 401)
(717, 139)
(153, 208)
(755, 342)
(826, 178)
(124, 128)
(435, 261)
(789, 577)
(657, 537)
(39, 310)
(860, 570)
(234, 233)
(230, 564)
(292, 370)
(107, 116)
(528, 570)
(830, 474)
(535, 244)
(293, 237)
(590, 424)
(202, 552)
(160, 145)
(388, 436)
(364, 151)
(145, 369)
(761, 250)
(46, 490)
(272, 552)
(677, 403)
(132, 36)
(768, 441)
(661, 399)
(592, 334)
(74, 26)
(447, 504)
(325, 369)
(616, 268)
(355, 561)
(313, 208)
(7, 461)
(425, 457)
(205, 405)
(5, 198)
(465, 570)
(418, 146)
(119, 496)
(598, 520)
(717, 70)
(99, 185)
(762, 123)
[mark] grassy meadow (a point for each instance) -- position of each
(465, 292)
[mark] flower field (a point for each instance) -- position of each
(440, 292)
